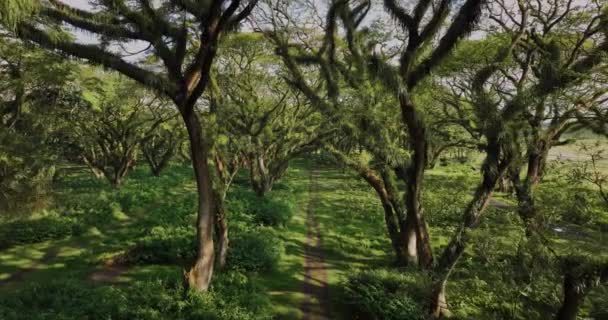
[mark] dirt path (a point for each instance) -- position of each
(109, 273)
(317, 301)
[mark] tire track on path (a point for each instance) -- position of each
(316, 305)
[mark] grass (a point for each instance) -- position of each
(116, 219)
(485, 283)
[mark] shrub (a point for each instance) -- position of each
(26, 172)
(381, 295)
(37, 230)
(275, 209)
(63, 300)
(164, 246)
(255, 251)
(232, 297)
(272, 212)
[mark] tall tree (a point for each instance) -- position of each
(182, 36)
(115, 120)
(499, 93)
(32, 83)
(270, 122)
(418, 55)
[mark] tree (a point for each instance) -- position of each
(108, 129)
(31, 84)
(497, 100)
(269, 122)
(161, 146)
(182, 36)
(418, 55)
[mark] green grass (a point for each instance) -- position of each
(485, 283)
(284, 285)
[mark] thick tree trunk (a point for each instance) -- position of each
(199, 275)
(415, 177)
(454, 250)
(120, 171)
(394, 234)
(409, 237)
(573, 298)
(259, 176)
(504, 185)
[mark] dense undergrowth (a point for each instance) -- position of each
(148, 222)
(503, 275)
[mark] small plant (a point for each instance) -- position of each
(37, 230)
(233, 296)
(173, 245)
(255, 251)
(380, 295)
(272, 212)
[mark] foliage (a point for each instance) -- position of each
(13, 12)
(116, 116)
(170, 245)
(275, 211)
(31, 83)
(381, 295)
(232, 297)
(255, 251)
(260, 117)
(25, 174)
(50, 227)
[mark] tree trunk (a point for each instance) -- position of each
(415, 177)
(221, 230)
(524, 190)
(573, 298)
(409, 237)
(454, 250)
(259, 176)
(199, 275)
(493, 170)
(439, 304)
(116, 181)
(537, 158)
(98, 173)
(394, 234)
(504, 185)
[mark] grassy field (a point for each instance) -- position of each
(108, 223)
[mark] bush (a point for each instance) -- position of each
(255, 251)
(272, 212)
(37, 230)
(381, 295)
(172, 245)
(275, 209)
(26, 173)
(232, 296)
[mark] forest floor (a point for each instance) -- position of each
(337, 229)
